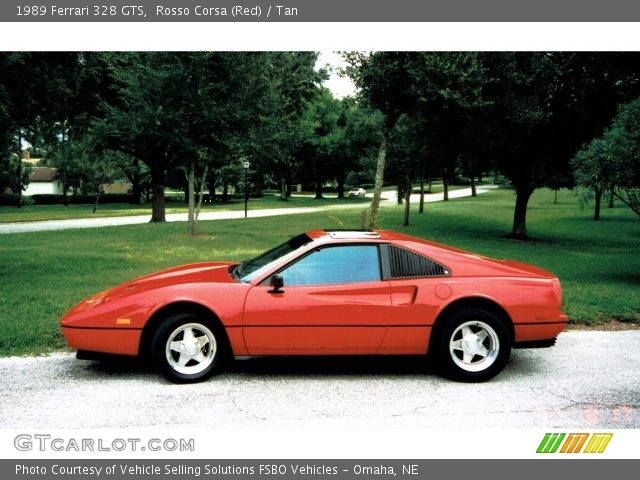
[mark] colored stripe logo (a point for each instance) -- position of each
(574, 443)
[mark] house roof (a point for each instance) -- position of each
(42, 174)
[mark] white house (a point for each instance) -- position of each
(43, 180)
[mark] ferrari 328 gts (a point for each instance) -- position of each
(327, 292)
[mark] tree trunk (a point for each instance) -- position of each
(136, 189)
(445, 186)
(201, 194)
(98, 190)
(19, 172)
(211, 182)
(480, 176)
(65, 195)
(407, 201)
(95, 203)
(611, 204)
(399, 193)
(421, 208)
(283, 188)
(158, 210)
(191, 196)
(225, 189)
(472, 178)
(555, 196)
(596, 213)
(287, 185)
(340, 179)
(379, 181)
(519, 231)
(258, 179)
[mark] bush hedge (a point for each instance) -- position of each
(8, 199)
(52, 199)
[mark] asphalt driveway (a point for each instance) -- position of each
(590, 379)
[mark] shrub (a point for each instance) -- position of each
(8, 200)
(54, 199)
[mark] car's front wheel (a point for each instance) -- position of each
(473, 346)
(186, 348)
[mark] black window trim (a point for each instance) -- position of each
(386, 262)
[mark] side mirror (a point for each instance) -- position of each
(276, 283)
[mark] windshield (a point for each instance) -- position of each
(251, 269)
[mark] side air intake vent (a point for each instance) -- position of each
(409, 264)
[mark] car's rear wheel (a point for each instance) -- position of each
(473, 345)
(186, 348)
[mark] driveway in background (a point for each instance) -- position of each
(47, 225)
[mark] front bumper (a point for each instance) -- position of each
(120, 341)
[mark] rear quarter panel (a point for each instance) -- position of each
(531, 304)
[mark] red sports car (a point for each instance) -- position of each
(327, 292)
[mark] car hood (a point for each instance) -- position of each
(216, 272)
(203, 272)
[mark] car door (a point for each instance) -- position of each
(333, 301)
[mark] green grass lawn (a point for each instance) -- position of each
(44, 274)
(60, 212)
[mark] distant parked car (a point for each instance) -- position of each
(357, 192)
(327, 292)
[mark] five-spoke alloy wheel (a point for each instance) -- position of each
(473, 345)
(186, 348)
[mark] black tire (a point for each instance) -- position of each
(472, 345)
(201, 345)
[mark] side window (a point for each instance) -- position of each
(408, 264)
(331, 265)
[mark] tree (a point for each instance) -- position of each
(169, 106)
(357, 146)
(13, 175)
(34, 89)
(612, 162)
(449, 90)
(544, 106)
(558, 181)
(594, 168)
(323, 148)
(72, 145)
(624, 135)
(290, 84)
(384, 83)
